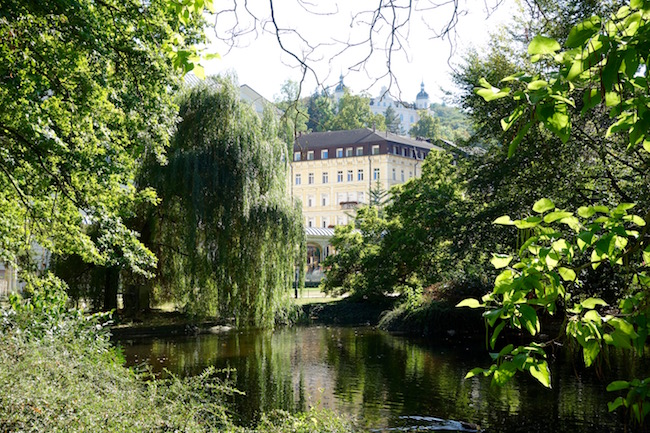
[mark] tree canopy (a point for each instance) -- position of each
(226, 234)
(86, 93)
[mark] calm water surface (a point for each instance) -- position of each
(385, 381)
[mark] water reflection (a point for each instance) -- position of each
(380, 379)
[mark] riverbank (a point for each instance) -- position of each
(60, 373)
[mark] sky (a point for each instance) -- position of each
(318, 31)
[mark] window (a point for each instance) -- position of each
(339, 176)
(298, 179)
(350, 176)
(394, 175)
(324, 154)
(403, 151)
(324, 222)
(360, 174)
(325, 199)
(310, 155)
(402, 175)
(326, 177)
(410, 174)
(375, 149)
(341, 197)
(339, 153)
(311, 222)
(310, 178)
(375, 174)
(396, 150)
(348, 151)
(359, 151)
(310, 201)
(340, 221)
(411, 119)
(296, 156)
(360, 197)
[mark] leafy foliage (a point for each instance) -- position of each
(320, 111)
(407, 244)
(353, 112)
(59, 373)
(605, 61)
(85, 95)
(427, 127)
(225, 233)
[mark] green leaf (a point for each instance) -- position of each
(624, 207)
(531, 322)
(469, 302)
(554, 116)
(590, 352)
(528, 223)
(495, 334)
(590, 99)
(613, 405)
(540, 371)
(586, 212)
(591, 303)
(582, 32)
(503, 373)
(635, 219)
(618, 339)
(543, 205)
(543, 45)
(520, 136)
(493, 93)
(557, 215)
(537, 85)
(618, 385)
(504, 220)
(474, 371)
(500, 260)
(567, 274)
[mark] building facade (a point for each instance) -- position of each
(333, 172)
(406, 112)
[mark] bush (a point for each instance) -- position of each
(59, 373)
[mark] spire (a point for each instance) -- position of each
(341, 86)
(422, 94)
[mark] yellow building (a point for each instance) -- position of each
(332, 172)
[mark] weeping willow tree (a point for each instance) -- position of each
(226, 233)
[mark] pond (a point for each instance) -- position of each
(385, 381)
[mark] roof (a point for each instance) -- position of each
(422, 94)
(357, 136)
(316, 231)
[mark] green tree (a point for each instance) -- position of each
(294, 112)
(455, 125)
(427, 126)
(602, 68)
(357, 265)
(391, 120)
(226, 235)
(86, 93)
(354, 113)
(408, 245)
(320, 111)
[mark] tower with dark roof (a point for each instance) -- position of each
(422, 99)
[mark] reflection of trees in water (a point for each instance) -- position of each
(378, 378)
